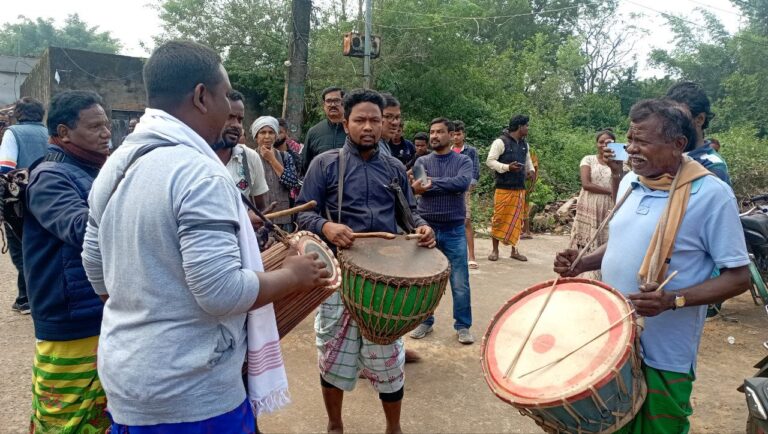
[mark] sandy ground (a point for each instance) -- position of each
(446, 391)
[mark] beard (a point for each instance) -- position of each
(437, 146)
(279, 142)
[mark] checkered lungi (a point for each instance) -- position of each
(343, 352)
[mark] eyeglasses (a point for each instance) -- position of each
(392, 117)
(332, 102)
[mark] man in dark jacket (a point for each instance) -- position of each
(22, 145)
(329, 133)
(65, 309)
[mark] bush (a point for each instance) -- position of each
(747, 157)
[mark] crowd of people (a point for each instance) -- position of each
(146, 255)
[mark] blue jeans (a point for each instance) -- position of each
(453, 243)
(14, 248)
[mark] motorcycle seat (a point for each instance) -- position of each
(757, 223)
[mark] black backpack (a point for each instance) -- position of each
(13, 189)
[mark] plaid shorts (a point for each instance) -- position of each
(343, 352)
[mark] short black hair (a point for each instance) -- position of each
(29, 109)
(421, 136)
(446, 121)
(282, 122)
(175, 68)
(517, 121)
(358, 96)
(330, 89)
(458, 125)
(234, 95)
(605, 132)
(66, 107)
(389, 100)
(692, 95)
(675, 120)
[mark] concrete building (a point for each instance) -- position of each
(13, 71)
(118, 79)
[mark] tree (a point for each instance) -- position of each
(608, 42)
(252, 36)
(30, 38)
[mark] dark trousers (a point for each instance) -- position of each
(14, 248)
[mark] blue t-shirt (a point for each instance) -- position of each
(710, 235)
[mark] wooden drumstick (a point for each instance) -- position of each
(385, 235)
(512, 365)
(291, 211)
(413, 236)
(599, 229)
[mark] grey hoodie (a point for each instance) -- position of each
(164, 248)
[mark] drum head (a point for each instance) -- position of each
(579, 310)
(307, 242)
(396, 258)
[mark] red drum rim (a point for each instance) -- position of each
(524, 397)
(307, 242)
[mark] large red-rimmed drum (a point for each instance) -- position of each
(598, 388)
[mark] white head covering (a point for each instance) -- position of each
(264, 121)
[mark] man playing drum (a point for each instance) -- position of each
(367, 206)
(673, 218)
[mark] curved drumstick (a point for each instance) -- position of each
(290, 211)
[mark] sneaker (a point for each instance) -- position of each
(421, 331)
(21, 308)
(465, 337)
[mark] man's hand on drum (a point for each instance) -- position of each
(309, 271)
(427, 238)
(340, 235)
(650, 302)
(563, 261)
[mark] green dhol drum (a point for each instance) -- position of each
(391, 286)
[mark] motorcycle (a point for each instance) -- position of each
(755, 388)
(755, 224)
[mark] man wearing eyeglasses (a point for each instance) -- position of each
(329, 133)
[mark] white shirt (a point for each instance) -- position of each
(9, 151)
(255, 186)
(497, 148)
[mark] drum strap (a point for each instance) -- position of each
(340, 187)
(342, 172)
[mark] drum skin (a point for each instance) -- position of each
(291, 310)
(391, 286)
(597, 389)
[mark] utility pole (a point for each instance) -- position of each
(367, 45)
(293, 98)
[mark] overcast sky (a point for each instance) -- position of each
(137, 21)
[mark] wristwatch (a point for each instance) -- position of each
(679, 301)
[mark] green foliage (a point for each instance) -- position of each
(30, 38)
(482, 61)
(746, 157)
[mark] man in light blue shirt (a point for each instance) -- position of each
(709, 234)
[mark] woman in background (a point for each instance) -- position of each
(595, 200)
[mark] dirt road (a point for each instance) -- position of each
(446, 391)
